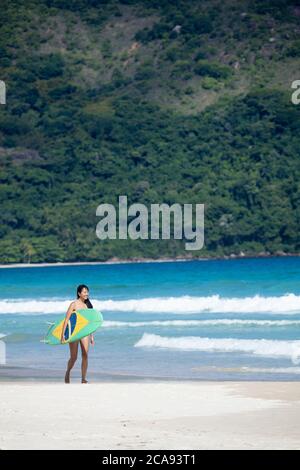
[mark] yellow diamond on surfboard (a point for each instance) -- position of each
(81, 323)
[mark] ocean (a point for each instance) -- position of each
(231, 319)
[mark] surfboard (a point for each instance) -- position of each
(82, 322)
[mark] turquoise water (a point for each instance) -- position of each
(215, 320)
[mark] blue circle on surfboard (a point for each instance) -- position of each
(70, 326)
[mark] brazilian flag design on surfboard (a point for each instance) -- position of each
(81, 323)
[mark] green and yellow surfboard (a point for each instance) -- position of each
(81, 323)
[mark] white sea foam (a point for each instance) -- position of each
(260, 347)
(182, 323)
(272, 370)
(214, 303)
(288, 303)
(246, 369)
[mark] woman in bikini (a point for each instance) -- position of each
(82, 301)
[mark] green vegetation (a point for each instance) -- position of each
(105, 98)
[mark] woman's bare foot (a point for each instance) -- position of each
(67, 378)
(84, 381)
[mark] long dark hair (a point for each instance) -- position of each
(87, 301)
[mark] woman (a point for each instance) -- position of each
(82, 301)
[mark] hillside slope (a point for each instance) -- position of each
(162, 101)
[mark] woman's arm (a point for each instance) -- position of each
(68, 314)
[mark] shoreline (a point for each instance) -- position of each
(116, 260)
(36, 375)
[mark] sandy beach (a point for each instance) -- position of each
(150, 415)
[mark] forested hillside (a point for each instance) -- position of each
(160, 100)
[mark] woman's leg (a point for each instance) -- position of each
(84, 344)
(72, 360)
